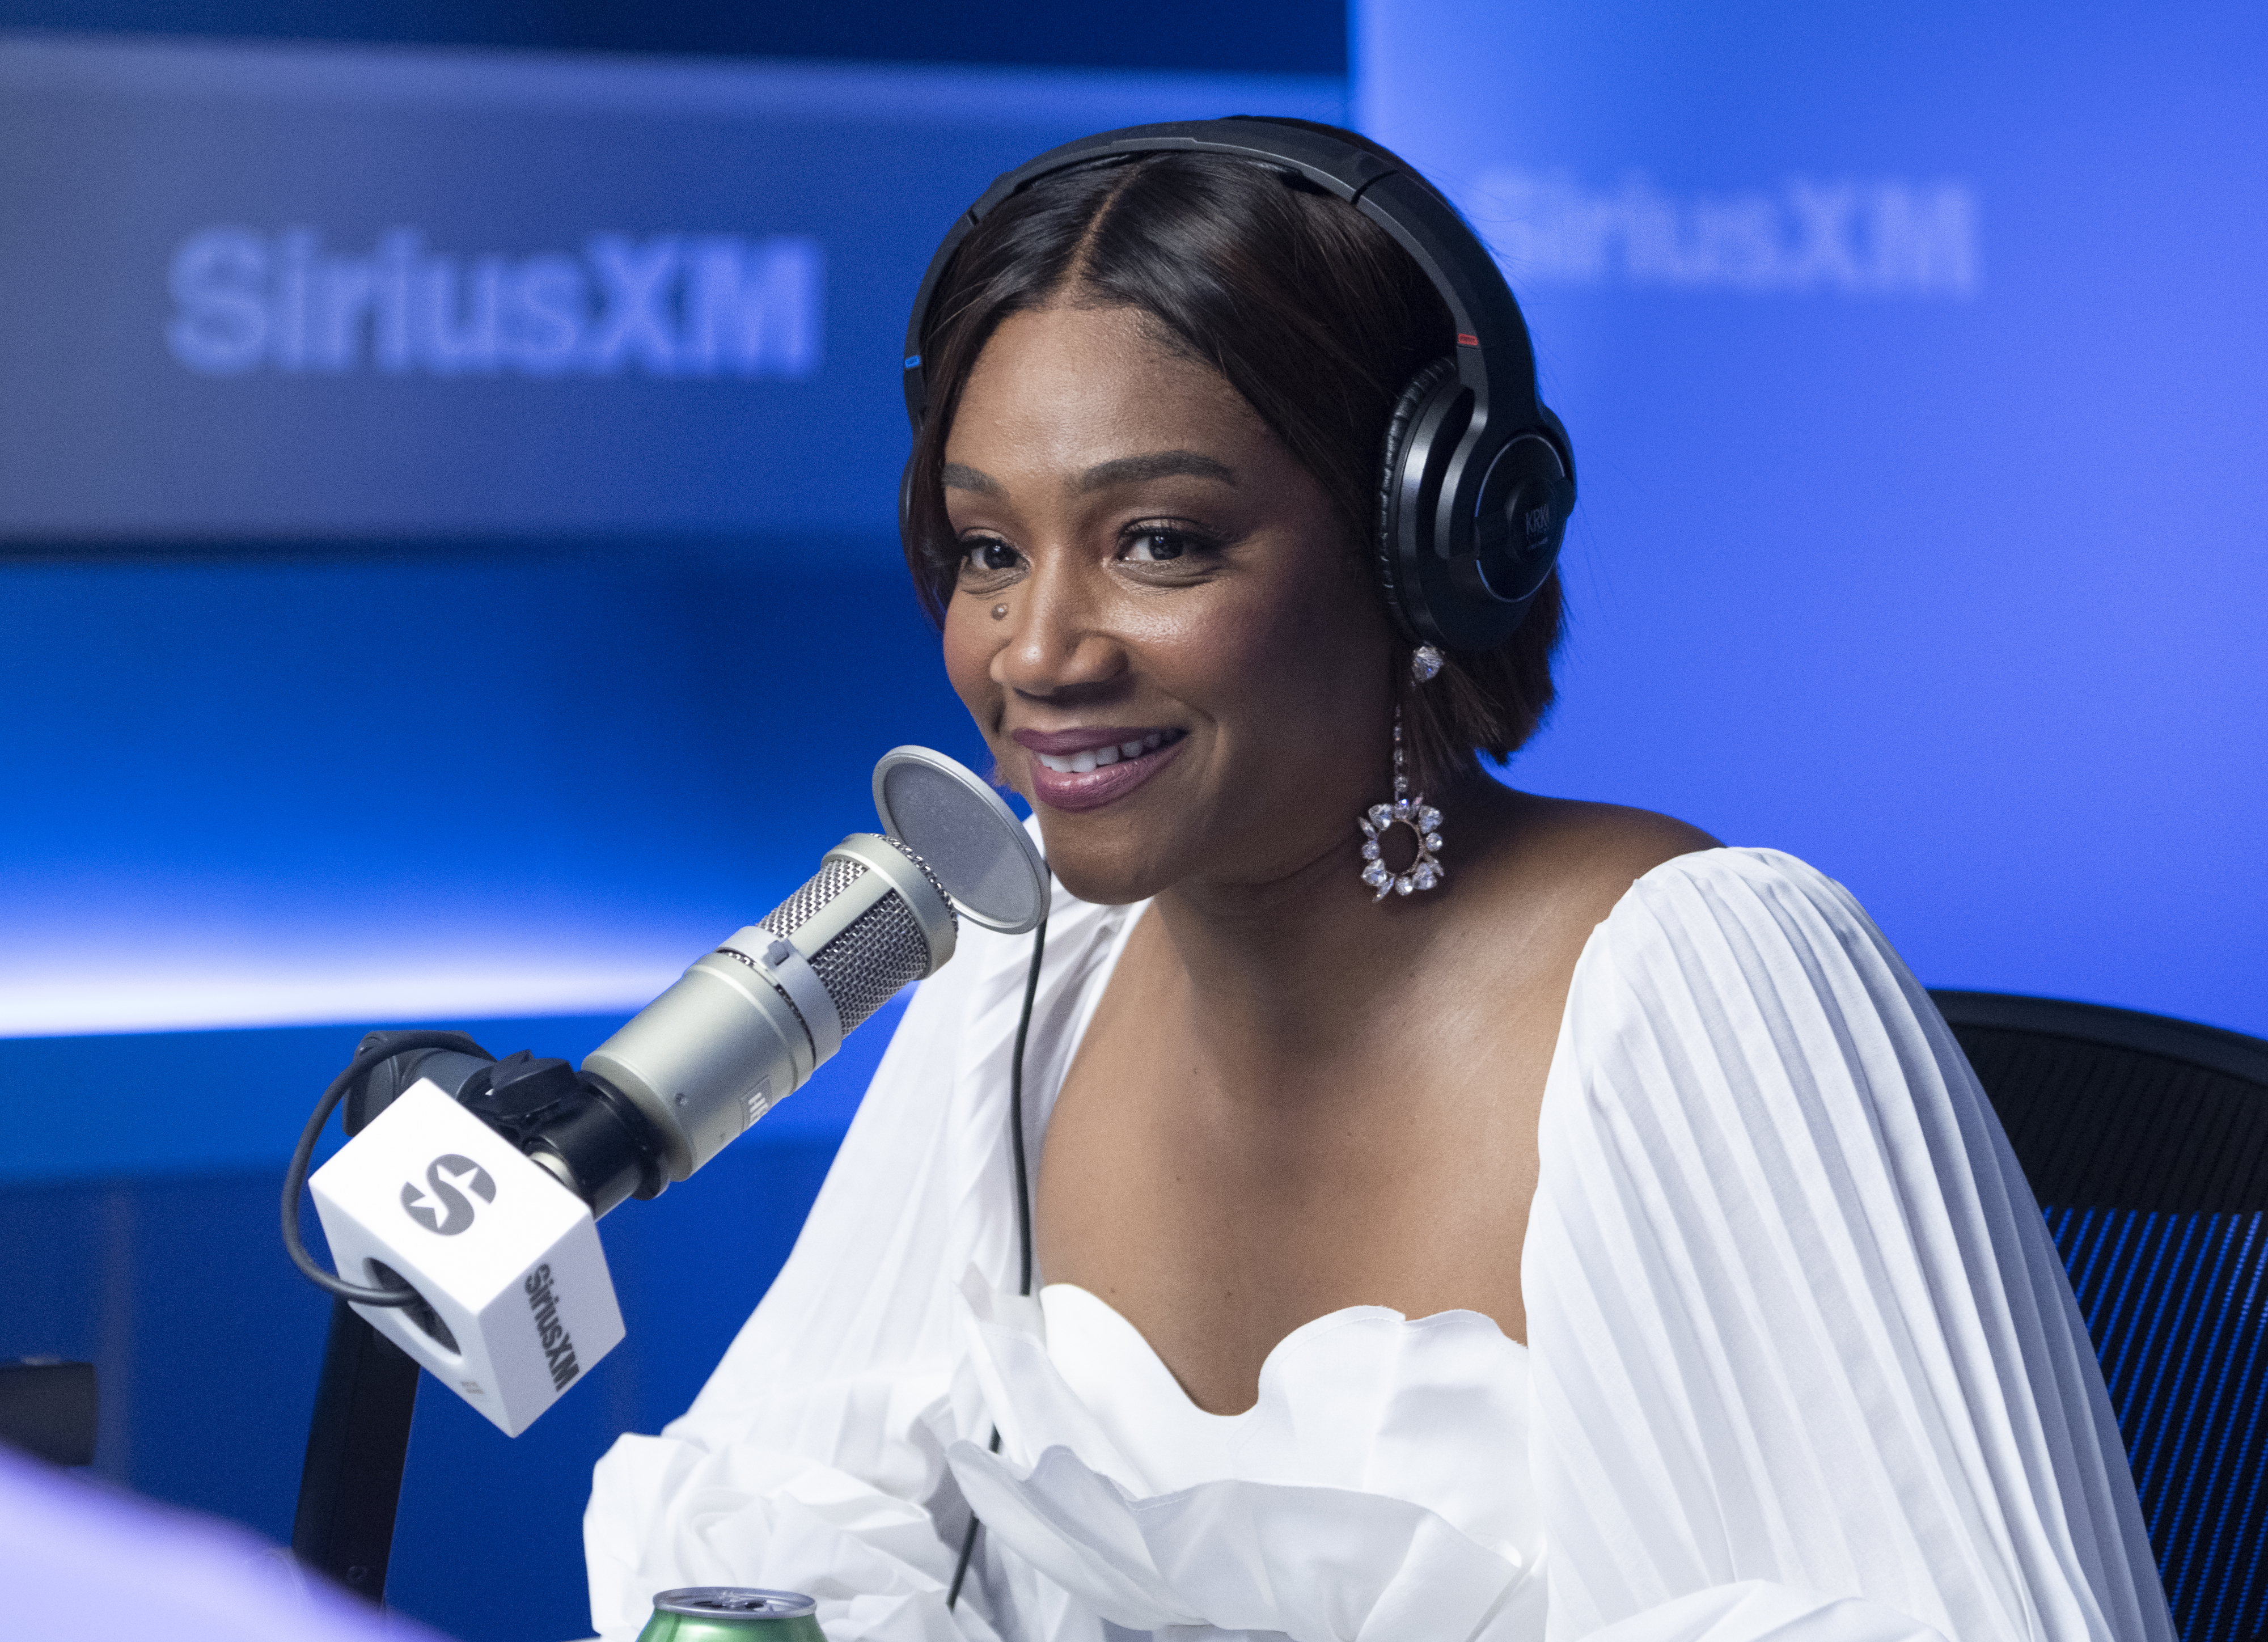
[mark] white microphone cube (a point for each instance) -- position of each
(518, 1303)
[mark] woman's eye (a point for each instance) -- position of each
(988, 557)
(1152, 547)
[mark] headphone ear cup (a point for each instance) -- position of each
(1402, 502)
(1471, 591)
(1519, 522)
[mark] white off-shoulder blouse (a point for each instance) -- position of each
(1803, 1363)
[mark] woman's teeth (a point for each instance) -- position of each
(1096, 757)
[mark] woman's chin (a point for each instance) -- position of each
(1103, 876)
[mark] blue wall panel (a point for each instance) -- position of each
(354, 682)
(1287, 36)
(288, 292)
(1917, 372)
(460, 782)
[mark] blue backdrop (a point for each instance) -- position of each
(1917, 370)
(452, 498)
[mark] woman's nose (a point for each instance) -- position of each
(1058, 639)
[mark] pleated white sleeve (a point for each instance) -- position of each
(1794, 1316)
(812, 1460)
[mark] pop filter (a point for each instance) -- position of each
(945, 814)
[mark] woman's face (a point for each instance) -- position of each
(1156, 623)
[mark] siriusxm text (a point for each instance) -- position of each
(558, 1344)
(1886, 239)
(674, 306)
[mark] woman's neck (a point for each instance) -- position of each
(1272, 976)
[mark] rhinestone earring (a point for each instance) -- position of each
(1421, 818)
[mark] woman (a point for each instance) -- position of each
(1600, 1237)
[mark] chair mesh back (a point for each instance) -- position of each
(2152, 1171)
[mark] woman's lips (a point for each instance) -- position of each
(1068, 767)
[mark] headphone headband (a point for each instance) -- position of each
(1492, 351)
(1467, 537)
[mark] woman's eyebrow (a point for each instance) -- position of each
(959, 476)
(1156, 465)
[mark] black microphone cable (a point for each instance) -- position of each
(1023, 1205)
(295, 1176)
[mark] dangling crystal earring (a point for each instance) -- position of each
(1422, 819)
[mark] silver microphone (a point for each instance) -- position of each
(450, 1188)
(749, 1024)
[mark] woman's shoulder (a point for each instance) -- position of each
(1566, 863)
(1650, 909)
(1594, 849)
(1601, 863)
(1717, 957)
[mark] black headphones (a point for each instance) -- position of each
(1477, 478)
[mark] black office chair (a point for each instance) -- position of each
(2145, 1140)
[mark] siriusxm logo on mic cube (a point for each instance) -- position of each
(518, 1302)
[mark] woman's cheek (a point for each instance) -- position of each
(968, 665)
(969, 650)
(1253, 649)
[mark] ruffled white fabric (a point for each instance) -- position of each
(1803, 1363)
(1332, 1508)
(822, 1397)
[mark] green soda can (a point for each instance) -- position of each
(730, 1613)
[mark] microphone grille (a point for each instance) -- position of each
(835, 876)
(863, 966)
(877, 953)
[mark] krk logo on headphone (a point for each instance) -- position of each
(454, 1214)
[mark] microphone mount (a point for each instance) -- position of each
(574, 1124)
(444, 1197)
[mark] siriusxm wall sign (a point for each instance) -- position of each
(669, 306)
(1845, 236)
(285, 293)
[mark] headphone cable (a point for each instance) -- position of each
(1023, 1206)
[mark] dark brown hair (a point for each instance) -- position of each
(1307, 307)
